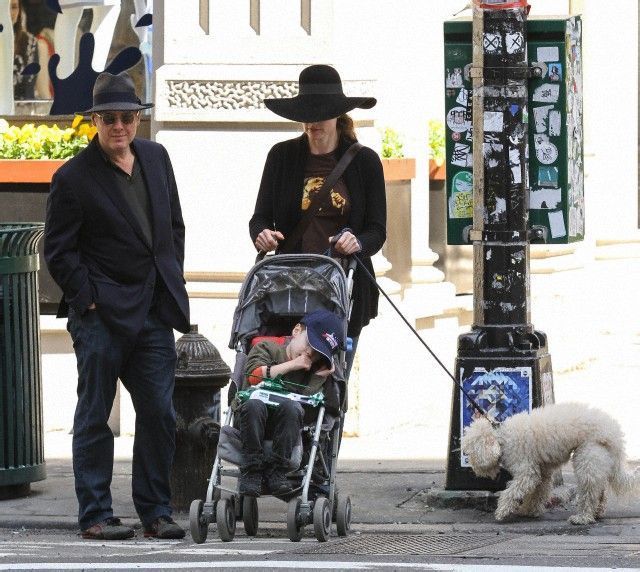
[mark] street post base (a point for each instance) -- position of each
(474, 354)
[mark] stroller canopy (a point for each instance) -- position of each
(288, 286)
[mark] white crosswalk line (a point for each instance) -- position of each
(297, 564)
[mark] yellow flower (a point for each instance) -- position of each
(43, 141)
(87, 130)
(77, 120)
(26, 133)
(12, 133)
(55, 135)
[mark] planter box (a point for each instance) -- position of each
(28, 170)
(399, 169)
(436, 172)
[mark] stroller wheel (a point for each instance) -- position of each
(226, 520)
(343, 516)
(322, 519)
(294, 529)
(250, 515)
(198, 524)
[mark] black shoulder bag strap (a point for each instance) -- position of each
(298, 232)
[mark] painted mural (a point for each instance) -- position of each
(46, 70)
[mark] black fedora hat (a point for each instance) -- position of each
(115, 93)
(320, 97)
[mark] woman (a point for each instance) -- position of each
(28, 50)
(294, 173)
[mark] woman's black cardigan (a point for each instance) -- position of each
(279, 201)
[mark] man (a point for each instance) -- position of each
(114, 243)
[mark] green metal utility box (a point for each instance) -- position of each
(556, 174)
(21, 434)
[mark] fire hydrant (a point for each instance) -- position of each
(200, 374)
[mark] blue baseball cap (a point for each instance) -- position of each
(325, 332)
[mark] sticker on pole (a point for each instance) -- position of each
(461, 199)
(546, 151)
(457, 119)
(500, 392)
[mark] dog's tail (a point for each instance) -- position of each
(625, 482)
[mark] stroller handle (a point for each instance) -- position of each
(329, 252)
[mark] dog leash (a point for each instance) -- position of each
(417, 335)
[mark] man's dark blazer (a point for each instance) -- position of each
(96, 251)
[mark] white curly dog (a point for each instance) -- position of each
(532, 446)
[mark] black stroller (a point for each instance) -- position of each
(276, 293)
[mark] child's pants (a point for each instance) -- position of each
(258, 422)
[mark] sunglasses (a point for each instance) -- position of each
(127, 118)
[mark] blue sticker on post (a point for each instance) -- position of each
(501, 393)
(547, 176)
(554, 69)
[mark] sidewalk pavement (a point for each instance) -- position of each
(389, 474)
(388, 494)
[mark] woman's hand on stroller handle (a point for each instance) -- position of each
(268, 239)
(345, 243)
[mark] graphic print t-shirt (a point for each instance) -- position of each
(335, 205)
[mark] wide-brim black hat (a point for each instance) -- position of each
(320, 97)
(115, 93)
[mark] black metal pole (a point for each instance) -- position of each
(502, 362)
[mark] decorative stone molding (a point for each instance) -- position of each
(230, 94)
(214, 93)
(254, 9)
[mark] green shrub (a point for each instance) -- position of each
(436, 141)
(391, 144)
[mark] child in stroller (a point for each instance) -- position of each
(278, 292)
(305, 365)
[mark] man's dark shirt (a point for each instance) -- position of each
(134, 190)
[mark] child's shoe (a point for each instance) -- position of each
(277, 482)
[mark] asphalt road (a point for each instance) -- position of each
(472, 547)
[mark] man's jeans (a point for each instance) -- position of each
(282, 424)
(146, 367)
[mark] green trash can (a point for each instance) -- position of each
(21, 435)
